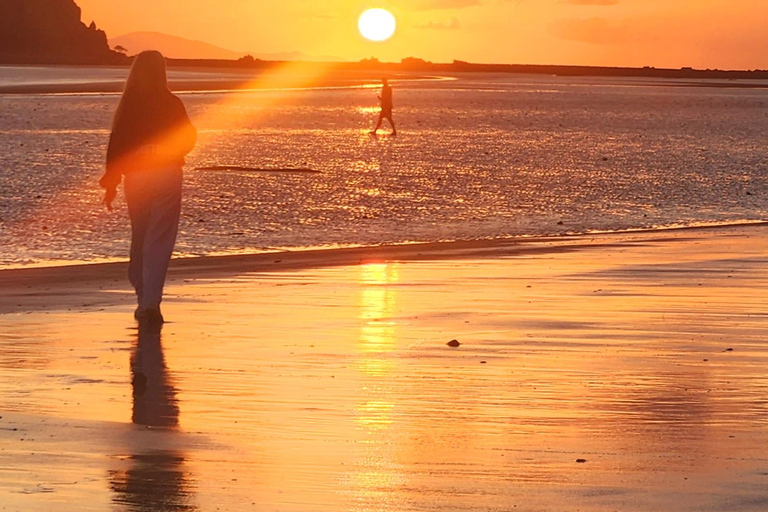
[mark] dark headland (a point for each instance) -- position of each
(51, 32)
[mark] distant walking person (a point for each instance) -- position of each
(386, 107)
(151, 135)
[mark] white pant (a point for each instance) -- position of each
(154, 204)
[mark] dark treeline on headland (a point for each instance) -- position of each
(51, 32)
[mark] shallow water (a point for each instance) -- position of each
(478, 157)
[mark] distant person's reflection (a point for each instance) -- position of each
(155, 480)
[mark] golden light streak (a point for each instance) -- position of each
(378, 338)
(375, 410)
(282, 76)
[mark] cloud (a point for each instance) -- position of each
(591, 2)
(453, 24)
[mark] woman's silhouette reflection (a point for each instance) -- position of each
(154, 397)
(155, 480)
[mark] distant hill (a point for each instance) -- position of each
(175, 47)
(172, 46)
(50, 32)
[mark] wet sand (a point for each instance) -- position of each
(315, 381)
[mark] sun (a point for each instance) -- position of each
(377, 24)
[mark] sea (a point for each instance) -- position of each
(477, 156)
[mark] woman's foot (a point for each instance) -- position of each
(151, 315)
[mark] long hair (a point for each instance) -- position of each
(147, 81)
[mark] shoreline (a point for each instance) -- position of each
(430, 247)
(25, 289)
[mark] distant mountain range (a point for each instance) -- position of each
(176, 47)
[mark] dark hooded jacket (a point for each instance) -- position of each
(148, 134)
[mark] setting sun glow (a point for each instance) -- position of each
(377, 24)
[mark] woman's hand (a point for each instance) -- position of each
(109, 196)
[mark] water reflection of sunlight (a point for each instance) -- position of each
(379, 273)
(377, 307)
(375, 414)
(377, 335)
(368, 111)
(376, 474)
(375, 367)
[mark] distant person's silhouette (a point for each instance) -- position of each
(151, 135)
(386, 107)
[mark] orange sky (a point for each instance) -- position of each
(669, 33)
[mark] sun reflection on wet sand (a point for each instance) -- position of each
(376, 477)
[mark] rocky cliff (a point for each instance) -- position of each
(50, 32)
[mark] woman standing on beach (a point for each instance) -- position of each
(151, 135)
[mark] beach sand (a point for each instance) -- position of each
(595, 373)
